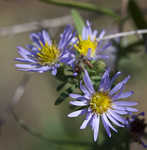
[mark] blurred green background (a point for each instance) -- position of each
(37, 105)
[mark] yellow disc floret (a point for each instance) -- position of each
(100, 102)
(48, 54)
(84, 45)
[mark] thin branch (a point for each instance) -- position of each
(43, 137)
(19, 92)
(36, 25)
(123, 34)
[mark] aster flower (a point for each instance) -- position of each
(45, 54)
(87, 44)
(136, 125)
(103, 104)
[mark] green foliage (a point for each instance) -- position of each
(119, 141)
(136, 15)
(68, 83)
(63, 96)
(84, 6)
(60, 86)
(138, 18)
(79, 23)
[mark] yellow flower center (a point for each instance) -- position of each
(100, 102)
(48, 54)
(84, 45)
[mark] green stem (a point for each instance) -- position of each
(43, 137)
(84, 6)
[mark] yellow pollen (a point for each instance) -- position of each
(84, 45)
(100, 102)
(48, 54)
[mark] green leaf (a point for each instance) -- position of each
(138, 18)
(60, 86)
(79, 23)
(63, 96)
(97, 78)
(136, 15)
(84, 6)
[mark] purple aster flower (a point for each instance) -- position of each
(87, 44)
(45, 54)
(136, 125)
(103, 104)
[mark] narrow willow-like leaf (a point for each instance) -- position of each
(84, 6)
(60, 86)
(79, 23)
(138, 18)
(137, 15)
(63, 96)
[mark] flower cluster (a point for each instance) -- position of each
(79, 53)
(87, 44)
(44, 54)
(103, 103)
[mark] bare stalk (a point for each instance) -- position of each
(123, 34)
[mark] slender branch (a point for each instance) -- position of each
(41, 136)
(84, 6)
(123, 34)
(36, 25)
(19, 92)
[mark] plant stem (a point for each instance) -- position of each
(84, 6)
(41, 136)
(123, 34)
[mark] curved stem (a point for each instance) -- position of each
(84, 6)
(19, 92)
(41, 136)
